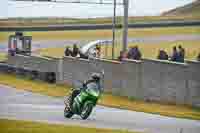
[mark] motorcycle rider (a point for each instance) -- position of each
(94, 80)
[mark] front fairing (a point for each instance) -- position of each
(91, 93)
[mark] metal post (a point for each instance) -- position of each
(125, 25)
(113, 30)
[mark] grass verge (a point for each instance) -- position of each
(107, 20)
(3, 56)
(109, 100)
(14, 126)
(96, 34)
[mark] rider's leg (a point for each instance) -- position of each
(74, 94)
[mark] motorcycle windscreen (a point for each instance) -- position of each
(77, 84)
(93, 90)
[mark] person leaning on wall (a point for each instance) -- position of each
(138, 54)
(98, 51)
(181, 54)
(175, 56)
(75, 51)
(123, 55)
(198, 57)
(134, 53)
(68, 52)
(162, 55)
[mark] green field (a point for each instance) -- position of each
(119, 20)
(3, 56)
(148, 50)
(14, 126)
(24, 83)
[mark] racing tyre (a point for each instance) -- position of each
(87, 109)
(67, 112)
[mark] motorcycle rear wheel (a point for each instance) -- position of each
(68, 113)
(87, 109)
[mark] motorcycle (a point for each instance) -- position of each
(83, 103)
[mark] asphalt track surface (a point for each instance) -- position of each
(100, 26)
(22, 105)
(62, 43)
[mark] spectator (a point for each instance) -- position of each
(122, 56)
(134, 53)
(98, 51)
(175, 56)
(12, 52)
(75, 51)
(138, 55)
(83, 56)
(162, 55)
(181, 53)
(17, 51)
(198, 57)
(68, 52)
(130, 52)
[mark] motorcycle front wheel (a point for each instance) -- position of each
(87, 109)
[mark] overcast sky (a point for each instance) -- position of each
(35, 9)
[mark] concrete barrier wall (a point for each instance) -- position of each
(38, 63)
(121, 78)
(164, 81)
(113, 74)
(131, 79)
(81, 69)
(74, 68)
(193, 83)
(152, 80)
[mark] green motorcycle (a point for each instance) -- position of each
(83, 103)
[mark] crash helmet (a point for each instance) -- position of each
(96, 76)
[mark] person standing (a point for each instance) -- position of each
(131, 53)
(123, 55)
(174, 56)
(198, 57)
(181, 53)
(68, 52)
(162, 55)
(138, 54)
(134, 53)
(75, 51)
(98, 51)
